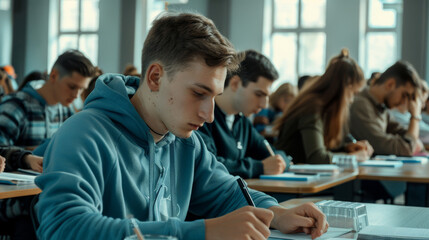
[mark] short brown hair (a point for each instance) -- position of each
(74, 61)
(402, 72)
(175, 39)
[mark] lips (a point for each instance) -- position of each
(195, 126)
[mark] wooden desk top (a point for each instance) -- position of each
(279, 186)
(418, 173)
(10, 191)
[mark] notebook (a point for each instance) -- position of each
(289, 176)
(13, 178)
(381, 163)
(414, 159)
(331, 233)
(323, 169)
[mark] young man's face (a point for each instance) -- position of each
(252, 98)
(186, 99)
(399, 95)
(69, 87)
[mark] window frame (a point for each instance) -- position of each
(299, 30)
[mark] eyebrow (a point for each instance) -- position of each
(205, 88)
(262, 92)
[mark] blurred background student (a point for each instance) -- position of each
(313, 126)
(279, 101)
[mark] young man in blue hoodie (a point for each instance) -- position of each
(132, 153)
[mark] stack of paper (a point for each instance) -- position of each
(415, 159)
(288, 176)
(13, 178)
(393, 233)
(323, 169)
(380, 163)
(331, 233)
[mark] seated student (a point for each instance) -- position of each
(14, 212)
(231, 136)
(139, 157)
(279, 101)
(370, 120)
(401, 115)
(5, 83)
(29, 116)
(313, 125)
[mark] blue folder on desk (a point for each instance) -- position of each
(415, 159)
(380, 163)
(288, 176)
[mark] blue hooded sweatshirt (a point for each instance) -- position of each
(103, 167)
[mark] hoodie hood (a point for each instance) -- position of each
(111, 95)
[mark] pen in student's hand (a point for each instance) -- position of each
(267, 144)
(137, 230)
(245, 191)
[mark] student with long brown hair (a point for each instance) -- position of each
(314, 124)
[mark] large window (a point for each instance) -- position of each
(298, 38)
(78, 27)
(382, 35)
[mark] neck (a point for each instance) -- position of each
(377, 91)
(225, 103)
(140, 101)
(46, 92)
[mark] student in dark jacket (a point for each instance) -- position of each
(231, 136)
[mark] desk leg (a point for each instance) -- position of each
(345, 191)
(417, 194)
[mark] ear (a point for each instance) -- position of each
(54, 75)
(235, 83)
(154, 73)
(390, 84)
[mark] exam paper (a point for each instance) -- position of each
(331, 233)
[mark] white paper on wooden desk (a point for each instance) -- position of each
(387, 232)
(331, 233)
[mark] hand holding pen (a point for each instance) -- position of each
(275, 164)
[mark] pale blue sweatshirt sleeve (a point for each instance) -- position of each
(71, 203)
(216, 192)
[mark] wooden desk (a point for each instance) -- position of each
(278, 186)
(10, 191)
(384, 215)
(417, 173)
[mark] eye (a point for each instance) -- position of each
(198, 94)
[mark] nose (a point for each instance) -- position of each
(263, 102)
(206, 111)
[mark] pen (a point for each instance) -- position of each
(245, 192)
(136, 229)
(267, 144)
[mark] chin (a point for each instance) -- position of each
(182, 134)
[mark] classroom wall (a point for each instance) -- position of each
(6, 33)
(415, 34)
(121, 20)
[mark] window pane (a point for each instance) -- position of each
(67, 42)
(379, 17)
(284, 56)
(89, 15)
(88, 44)
(286, 13)
(312, 53)
(69, 15)
(313, 13)
(381, 51)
